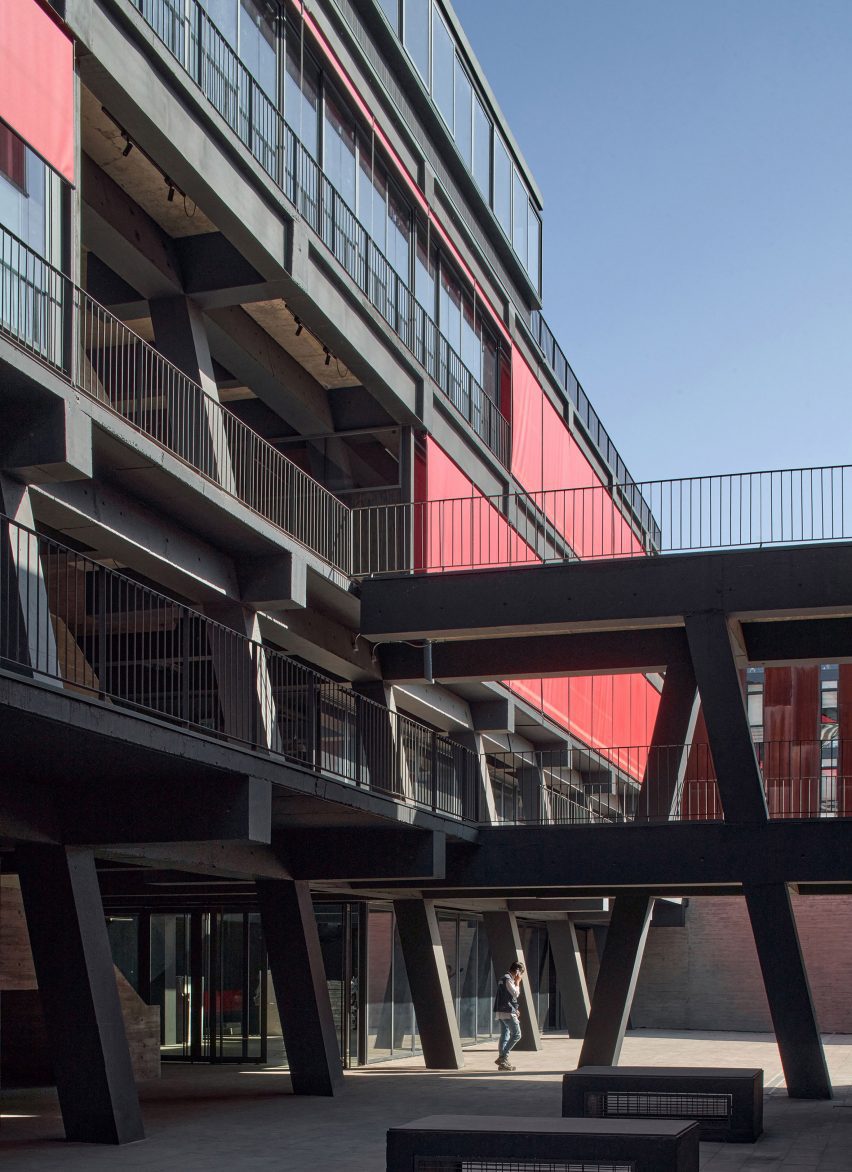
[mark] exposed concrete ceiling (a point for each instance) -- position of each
(104, 142)
(282, 325)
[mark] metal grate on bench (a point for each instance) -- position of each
(658, 1105)
(515, 1166)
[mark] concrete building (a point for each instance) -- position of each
(271, 344)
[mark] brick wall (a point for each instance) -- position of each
(706, 975)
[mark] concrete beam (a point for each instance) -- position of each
(779, 582)
(215, 273)
(359, 852)
(538, 657)
(493, 716)
(125, 237)
(115, 525)
(50, 442)
(799, 642)
(277, 582)
(673, 856)
(99, 812)
(257, 360)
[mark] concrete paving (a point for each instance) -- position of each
(239, 1118)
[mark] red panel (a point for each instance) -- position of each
(527, 445)
(545, 456)
(460, 528)
(37, 82)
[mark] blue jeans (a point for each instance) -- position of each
(510, 1035)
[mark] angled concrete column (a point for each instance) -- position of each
(723, 704)
(788, 991)
(487, 809)
(382, 751)
(617, 976)
(570, 975)
(181, 337)
(28, 629)
(301, 989)
(669, 750)
(243, 678)
(79, 995)
(426, 968)
(504, 941)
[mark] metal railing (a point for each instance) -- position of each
(802, 779)
(561, 369)
(41, 311)
(68, 620)
(193, 39)
(737, 510)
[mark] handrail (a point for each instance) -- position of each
(728, 511)
(564, 374)
(66, 619)
(664, 783)
(200, 48)
(41, 310)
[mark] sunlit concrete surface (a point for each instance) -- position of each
(239, 1118)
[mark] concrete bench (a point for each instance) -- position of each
(727, 1103)
(472, 1143)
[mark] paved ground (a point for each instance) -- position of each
(216, 1118)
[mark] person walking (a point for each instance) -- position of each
(507, 1012)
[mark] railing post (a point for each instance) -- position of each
(185, 660)
(102, 598)
(433, 768)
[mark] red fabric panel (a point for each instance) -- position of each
(545, 456)
(460, 528)
(37, 82)
(527, 399)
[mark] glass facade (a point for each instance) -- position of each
(430, 45)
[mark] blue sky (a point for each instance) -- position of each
(695, 158)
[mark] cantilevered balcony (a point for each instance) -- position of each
(193, 39)
(68, 621)
(42, 312)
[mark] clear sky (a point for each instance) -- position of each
(695, 158)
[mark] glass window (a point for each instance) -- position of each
(223, 13)
(481, 148)
(443, 58)
(302, 95)
(520, 205)
(449, 308)
(391, 11)
(338, 148)
(399, 235)
(30, 197)
(415, 32)
(372, 197)
(533, 245)
(425, 268)
(471, 346)
(464, 115)
(257, 45)
(502, 185)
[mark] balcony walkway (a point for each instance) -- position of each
(245, 1117)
